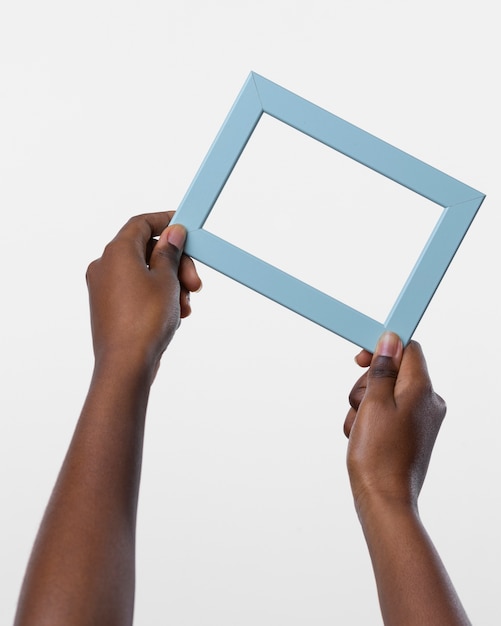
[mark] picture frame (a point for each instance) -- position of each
(259, 96)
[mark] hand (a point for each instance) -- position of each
(139, 289)
(392, 425)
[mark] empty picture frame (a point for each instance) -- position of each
(259, 95)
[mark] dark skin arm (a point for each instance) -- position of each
(392, 426)
(81, 570)
(82, 567)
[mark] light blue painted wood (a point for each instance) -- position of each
(259, 96)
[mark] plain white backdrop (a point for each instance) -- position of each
(106, 110)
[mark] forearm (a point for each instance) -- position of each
(82, 566)
(413, 585)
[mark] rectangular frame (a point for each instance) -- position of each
(459, 201)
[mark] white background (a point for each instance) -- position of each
(106, 110)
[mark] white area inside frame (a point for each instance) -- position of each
(323, 218)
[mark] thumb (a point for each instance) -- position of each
(169, 248)
(384, 367)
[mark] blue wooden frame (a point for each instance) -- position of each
(459, 201)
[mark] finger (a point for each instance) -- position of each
(358, 392)
(384, 368)
(349, 421)
(364, 358)
(166, 255)
(355, 398)
(188, 275)
(413, 361)
(137, 236)
(140, 230)
(152, 218)
(149, 249)
(413, 373)
(149, 224)
(184, 303)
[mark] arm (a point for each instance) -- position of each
(81, 570)
(392, 426)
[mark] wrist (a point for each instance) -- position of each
(126, 364)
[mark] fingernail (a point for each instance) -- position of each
(389, 344)
(176, 235)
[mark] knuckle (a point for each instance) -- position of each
(172, 254)
(383, 372)
(348, 423)
(91, 270)
(441, 405)
(135, 219)
(383, 367)
(115, 246)
(357, 392)
(357, 395)
(167, 253)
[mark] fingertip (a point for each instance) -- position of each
(188, 275)
(385, 364)
(389, 345)
(175, 235)
(194, 283)
(363, 358)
